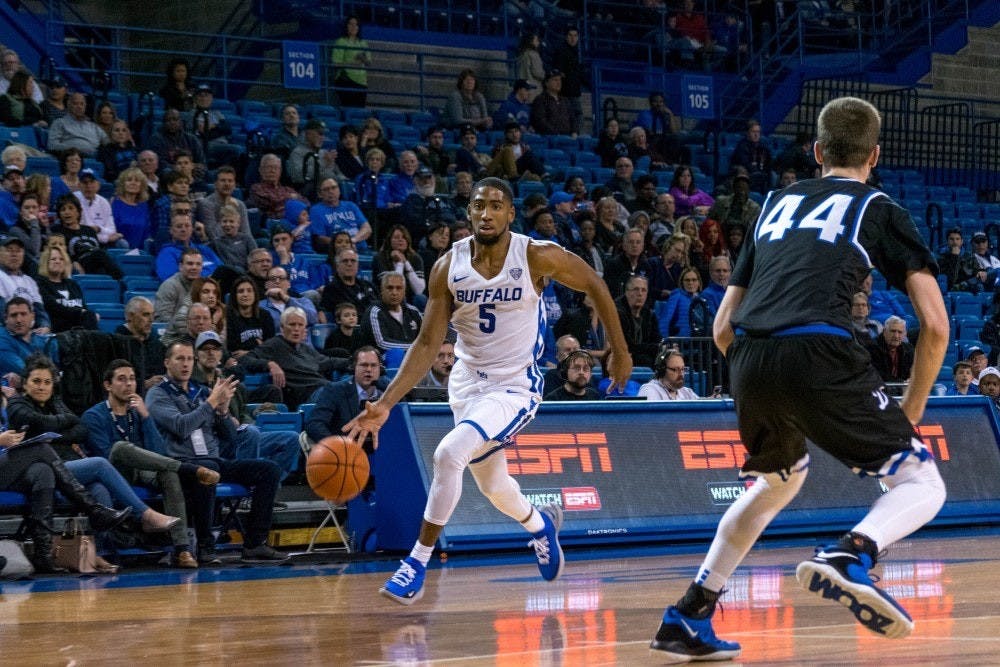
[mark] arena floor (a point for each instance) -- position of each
(496, 611)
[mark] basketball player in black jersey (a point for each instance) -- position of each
(785, 328)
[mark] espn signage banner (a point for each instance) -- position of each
(637, 471)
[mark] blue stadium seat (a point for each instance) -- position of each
(160, 328)
(43, 165)
(602, 174)
(131, 293)
(393, 357)
(111, 316)
(587, 160)
(408, 135)
(279, 421)
(631, 388)
(587, 143)
(964, 195)
(18, 135)
(319, 332)
(422, 120)
(641, 374)
(565, 143)
(255, 380)
(357, 117)
(536, 141)
(575, 172)
(136, 265)
(555, 156)
(946, 375)
(99, 291)
(255, 107)
(525, 188)
(939, 194)
(962, 345)
(306, 410)
(141, 282)
(324, 111)
(970, 210)
(965, 303)
(391, 116)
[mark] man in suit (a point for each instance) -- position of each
(339, 402)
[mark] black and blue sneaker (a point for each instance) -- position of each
(546, 542)
(684, 639)
(840, 573)
(406, 586)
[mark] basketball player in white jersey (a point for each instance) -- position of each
(488, 286)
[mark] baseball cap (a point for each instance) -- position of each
(511, 125)
(87, 173)
(980, 236)
(989, 370)
(560, 197)
(972, 351)
(523, 83)
(316, 124)
(467, 129)
(423, 172)
(57, 82)
(203, 88)
(552, 73)
(11, 168)
(6, 240)
(741, 173)
(207, 337)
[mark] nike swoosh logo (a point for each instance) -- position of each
(689, 630)
(460, 278)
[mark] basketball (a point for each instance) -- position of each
(337, 469)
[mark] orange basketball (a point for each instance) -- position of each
(337, 469)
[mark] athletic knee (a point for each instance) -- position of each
(455, 450)
(924, 473)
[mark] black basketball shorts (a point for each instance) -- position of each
(819, 387)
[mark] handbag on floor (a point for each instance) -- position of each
(75, 550)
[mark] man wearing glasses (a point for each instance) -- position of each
(278, 298)
(668, 379)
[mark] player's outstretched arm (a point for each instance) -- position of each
(722, 328)
(549, 259)
(418, 359)
(925, 294)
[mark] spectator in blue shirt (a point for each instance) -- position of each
(333, 214)
(516, 107)
(962, 382)
(168, 257)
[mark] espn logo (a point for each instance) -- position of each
(580, 499)
(556, 453)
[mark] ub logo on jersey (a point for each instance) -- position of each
(883, 400)
(515, 274)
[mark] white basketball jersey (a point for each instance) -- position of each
(501, 321)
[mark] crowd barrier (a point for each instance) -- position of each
(633, 472)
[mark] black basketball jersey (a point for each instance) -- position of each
(813, 244)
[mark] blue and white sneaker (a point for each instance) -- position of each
(684, 639)
(407, 585)
(841, 574)
(546, 542)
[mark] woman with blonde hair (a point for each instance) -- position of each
(129, 207)
(61, 295)
(373, 136)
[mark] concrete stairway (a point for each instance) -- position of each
(972, 72)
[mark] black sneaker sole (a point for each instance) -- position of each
(869, 606)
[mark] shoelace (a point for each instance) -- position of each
(404, 575)
(541, 545)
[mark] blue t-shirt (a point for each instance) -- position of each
(328, 220)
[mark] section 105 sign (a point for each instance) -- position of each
(697, 96)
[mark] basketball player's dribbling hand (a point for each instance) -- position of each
(367, 423)
(619, 369)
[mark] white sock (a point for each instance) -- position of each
(534, 524)
(421, 553)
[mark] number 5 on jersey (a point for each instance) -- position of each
(828, 218)
(487, 318)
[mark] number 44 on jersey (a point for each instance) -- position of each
(827, 218)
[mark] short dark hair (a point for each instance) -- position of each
(348, 129)
(341, 307)
(365, 348)
(225, 169)
(954, 230)
(497, 184)
(17, 301)
(109, 372)
(169, 351)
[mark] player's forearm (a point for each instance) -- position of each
(931, 345)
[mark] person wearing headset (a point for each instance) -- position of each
(668, 378)
(340, 401)
(575, 370)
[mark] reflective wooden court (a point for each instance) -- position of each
(497, 611)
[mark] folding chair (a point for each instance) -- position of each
(331, 511)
